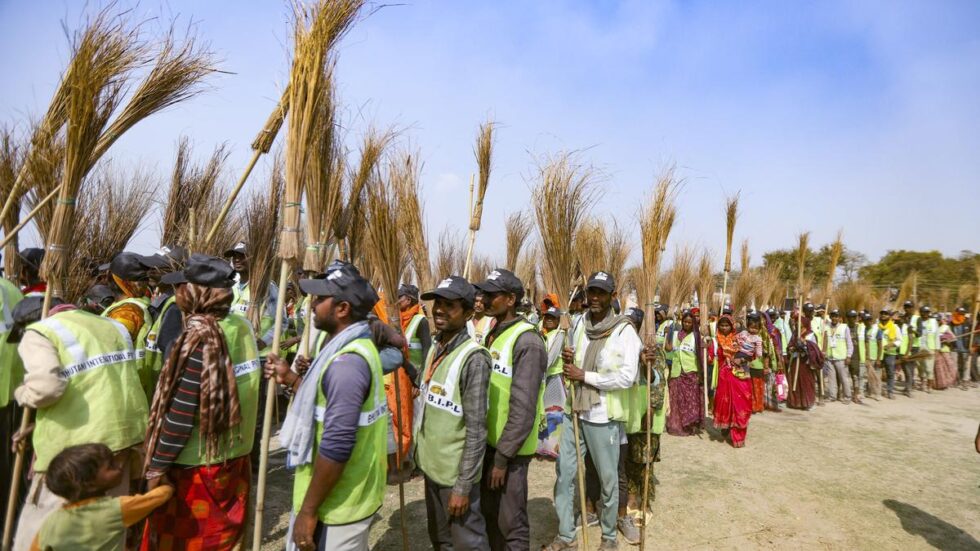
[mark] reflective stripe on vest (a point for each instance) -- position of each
(103, 401)
(360, 490)
(930, 335)
(501, 377)
(414, 342)
(685, 355)
(837, 345)
(440, 430)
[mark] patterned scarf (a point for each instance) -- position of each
(728, 343)
(219, 407)
(597, 334)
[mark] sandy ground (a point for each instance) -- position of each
(894, 474)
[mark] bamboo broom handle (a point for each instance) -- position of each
(393, 321)
(25, 421)
(579, 462)
(9, 202)
(270, 398)
(469, 248)
(973, 320)
(647, 456)
(231, 198)
(13, 233)
(799, 339)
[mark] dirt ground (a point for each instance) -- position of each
(895, 474)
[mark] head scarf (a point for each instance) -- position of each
(219, 407)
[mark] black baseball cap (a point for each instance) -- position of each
(167, 257)
(660, 308)
(344, 285)
(852, 313)
(601, 280)
(727, 309)
(908, 304)
(501, 281)
(885, 311)
(29, 309)
(961, 310)
(553, 312)
(32, 256)
(453, 288)
(635, 314)
(204, 270)
(866, 316)
(808, 306)
(239, 248)
(129, 267)
(99, 293)
(835, 312)
(925, 309)
(410, 291)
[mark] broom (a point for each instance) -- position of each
(316, 29)
(517, 229)
(405, 176)
(731, 216)
(483, 152)
(561, 197)
(449, 254)
(976, 310)
(656, 221)
(835, 251)
(802, 249)
(389, 259)
(618, 248)
(705, 284)
(347, 235)
(11, 159)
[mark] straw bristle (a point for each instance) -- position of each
(517, 227)
(706, 284)
(731, 217)
(769, 285)
(802, 249)
(745, 290)
(323, 179)
(261, 220)
(387, 255)
(484, 159)
(197, 189)
(482, 265)
(449, 258)
(527, 270)
(679, 281)
(373, 147)
(835, 253)
(11, 158)
(656, 221)
(853, 295)
(745, 259)
(317, 28)
(590, 245)
(564, 190)
(907, 288)
(405, 174)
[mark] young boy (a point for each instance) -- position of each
(91, 520)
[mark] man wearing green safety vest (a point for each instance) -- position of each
(167, 319)
(858, 359)
(414, 325)
(905, 350)
(11, 374)
(513, 413)
(603, 364)
(553, 402)
(928, 331)
(839, 351)
(335, 432)
(451, 424)
(872, 342)
(130, 274)
(238, 258)
(81, 376)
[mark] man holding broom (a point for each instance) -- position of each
(335, 431)
(515, 404)
(414, 325)
(604, 363)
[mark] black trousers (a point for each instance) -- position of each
(446, 533)
(505, 509)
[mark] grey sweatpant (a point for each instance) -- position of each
(602, 442)
(836, 370)
(454, 533)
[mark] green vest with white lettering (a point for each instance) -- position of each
(685, 355)
(501, 377)
(607, 361)
(248, 374)
(104, 401)
(817, 326)
(930, 335)
(837, 347)
(906, 332)
(858, 329)
(361, 488)
(11, 368)
(440, 430)
(153, 359)
(140, 342)
(414, 342)
(549, 341)
(872, 335)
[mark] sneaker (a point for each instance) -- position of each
(559, 544)
(592, 519)
(627, 527)
(607, 545)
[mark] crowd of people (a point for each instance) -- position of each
(148, 398)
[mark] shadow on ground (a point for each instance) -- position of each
(937, 532)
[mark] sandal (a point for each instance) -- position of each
(560, 545)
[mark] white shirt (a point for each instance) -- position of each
(618, 362)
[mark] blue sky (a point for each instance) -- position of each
(826, 115)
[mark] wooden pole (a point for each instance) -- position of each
(799, 338)
(472, 243)
(394, 320)
(270, 398)
(231, 198)
(13, 233)
(579, 462)
(17, 474)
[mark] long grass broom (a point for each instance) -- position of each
(405, 175)
(836, 248)
(517, 229)
(484, 158)
(348, 235)
(731, 217)
(562, 194)
(618, 250)
(656, 219)
(802, 249)
(389, 259)
(449, 254)
(976, 310)
(11, 159)
(705, 288)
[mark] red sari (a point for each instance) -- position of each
(733, 400)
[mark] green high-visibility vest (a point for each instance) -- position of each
(104, 401)
(617, 401)
(153, 359)
(837, 345)
(930, 335)
(361, 488)
(501, 377)
(244, 354)
(914, 326)
(414, 342)
(816, 325)
(440, 430)
(549, 341)
(139, 342)
(11, 368)
(906, 338)
(685, 355)
(872, 336)
(858, 336)
(239, 305)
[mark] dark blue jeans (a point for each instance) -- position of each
(890, 370)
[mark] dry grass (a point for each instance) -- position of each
(656, 222)
(527, 270)
(261, 221)
(590, 245)
(908, 288)
(373, 146)
(705, 284)
(802, 249)
(618, 248)
(482, 266)
(517, 228)
(387, 255)
(450, 255)
(836, 248)
(854, 295)
(11, 159)
(406, 176)
(324, 179)
(744, 291)
(770, 289)
(679, 281)
(564, 190)
(484, 160)
(731, 217)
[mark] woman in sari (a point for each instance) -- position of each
(203, 417)
(805, 362)
(733, 397)
(945, 358)
(686, 398)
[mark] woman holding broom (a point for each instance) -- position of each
(686, 398)
(733, 398)
(202, 421)
(805, 361)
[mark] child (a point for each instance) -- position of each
(749, 343)
(91, 520)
